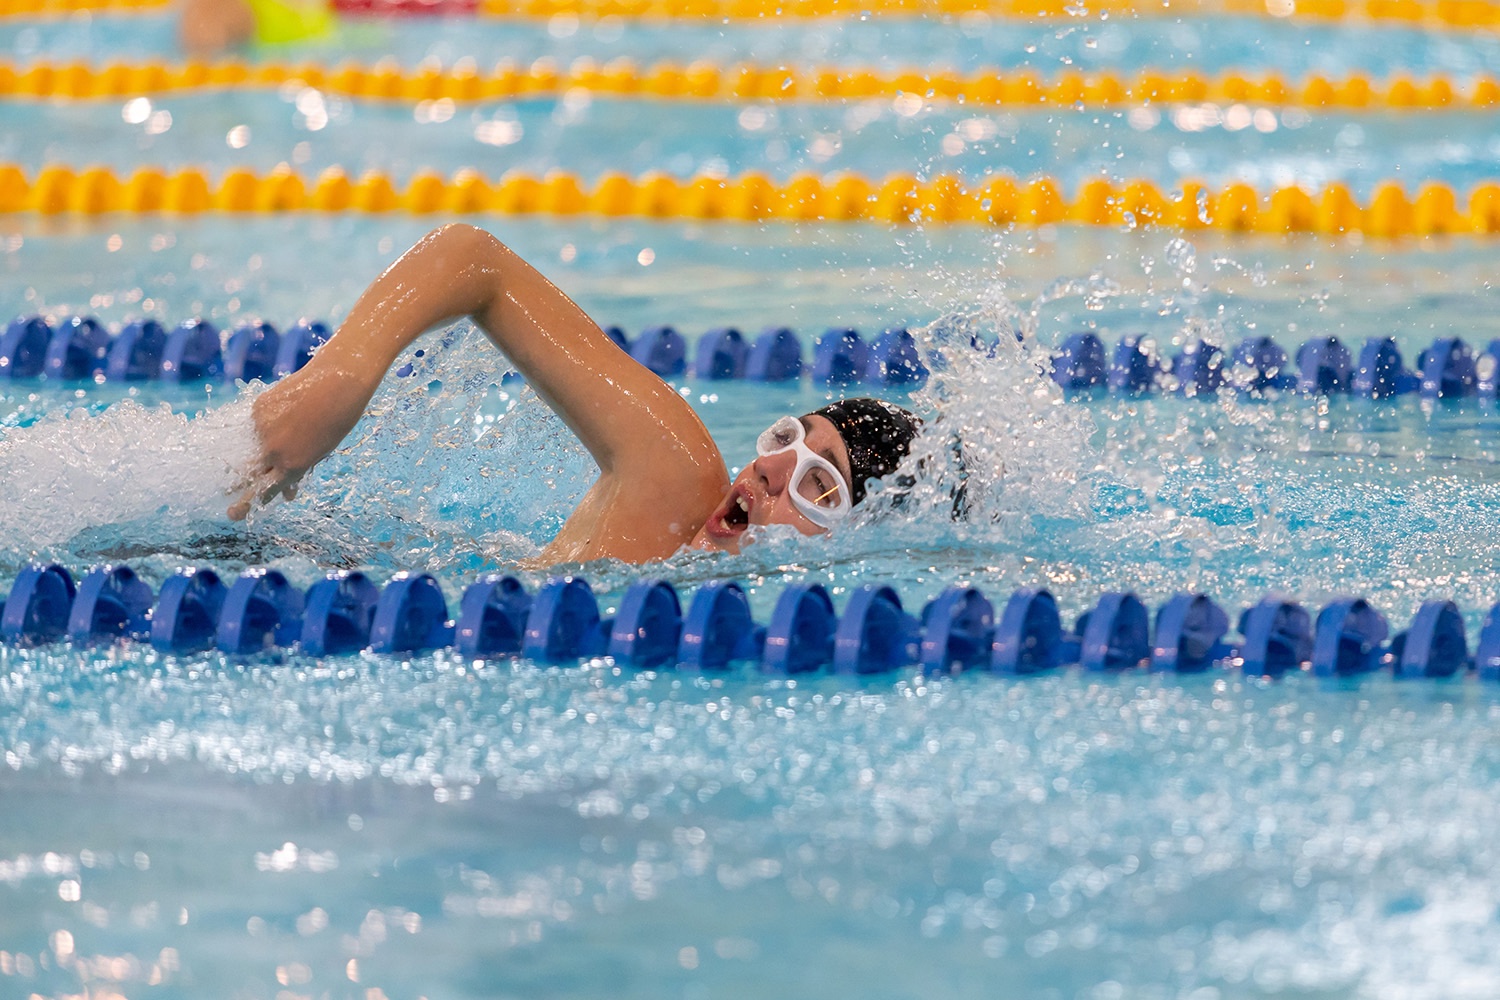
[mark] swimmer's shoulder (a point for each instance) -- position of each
(640, 512)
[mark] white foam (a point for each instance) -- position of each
(996, 427)
(148, 469)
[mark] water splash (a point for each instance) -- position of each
(1001, 447)
(456, 470)
(152, 475)
(453, 467)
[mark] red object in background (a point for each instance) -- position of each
(407, 8)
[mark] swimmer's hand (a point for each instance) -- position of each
(298, 421)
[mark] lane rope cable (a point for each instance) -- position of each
(1412, 13)
(901, 199)
(79, 350)
(261, 611)
(704, 81)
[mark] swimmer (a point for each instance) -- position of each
(662, 482)
(207, 28)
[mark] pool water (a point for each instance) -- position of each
(204, 826)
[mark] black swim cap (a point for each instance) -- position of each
(877, 435)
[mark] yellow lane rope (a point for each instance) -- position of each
(62, 8)
(743, 81)
(1423, 13)
(900, 199)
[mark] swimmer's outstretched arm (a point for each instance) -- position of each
(660, 471)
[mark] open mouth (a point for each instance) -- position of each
(737, 517)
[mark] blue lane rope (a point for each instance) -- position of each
(1449, 368)
(958, 631)
(80, 349)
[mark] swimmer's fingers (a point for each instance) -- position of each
(285, 486)
(245, 487)
(261, 489)
(248, 494)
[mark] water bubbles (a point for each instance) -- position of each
(989, 454)
(907, 104)
(1181, 255)
(145, 475)
(1093, 290)
(1100, 290)
(314, 110)
(1350, 136)
(434, 112)
(136, 111)
(754, 118)
(503, 129)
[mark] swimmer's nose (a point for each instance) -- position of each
(776, 470)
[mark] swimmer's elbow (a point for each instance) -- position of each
(465, 242)
(468, 261)
(450, 232)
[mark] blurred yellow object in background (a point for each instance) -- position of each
(281, 22)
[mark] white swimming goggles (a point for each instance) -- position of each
(818, 489)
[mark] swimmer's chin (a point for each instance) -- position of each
(705, 542)
(733, 543)
(752, 537)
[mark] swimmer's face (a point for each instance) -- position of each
(761, 493)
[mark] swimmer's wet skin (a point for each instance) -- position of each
(662, 481)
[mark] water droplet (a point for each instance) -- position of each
(1181, 255)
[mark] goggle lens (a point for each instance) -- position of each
(783, 434)
(821, 489)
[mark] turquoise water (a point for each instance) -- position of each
(1292, 48)
(281, 826)
(1164, 144)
